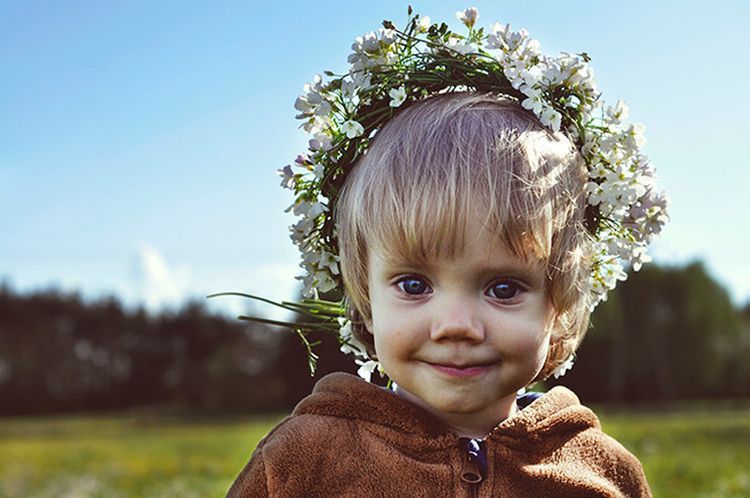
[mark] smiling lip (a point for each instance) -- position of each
(460, 371)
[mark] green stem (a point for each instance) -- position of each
(285, 305)
(328, 327)
(312, 358)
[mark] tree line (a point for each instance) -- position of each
(667, 333)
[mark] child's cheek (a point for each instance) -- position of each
(523, 338)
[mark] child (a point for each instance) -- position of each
(466, 240)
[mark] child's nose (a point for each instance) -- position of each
(457, 322)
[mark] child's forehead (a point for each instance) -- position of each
(484, 244)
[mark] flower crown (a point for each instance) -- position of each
(392, 66)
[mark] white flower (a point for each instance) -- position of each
(372, 49)
(531, 48)
(514, 70)
(610, 273)
(617, 113)
(369, 42)
(564, 367)
(352, 128)
(618, 246)
(639, 256)
(329, 261)
(320, 142)
(308, 290)
(366, 368)
(424, 24)
(598, 171)
(345, 328)
(597, 292)
(350, 105)
(359, 60)
(460, 46)
(582, 76)
(319, 170)
(551, 118)
(650, 214)
(397, 95)
(287, 177)
(348, 89)
(553, 75)
(307, 209)
(323, 282)
(516, 40)
(314, 102)
(387, 37)
(635, 138)
(300, 230)
(322, 108)
(347, 348)
(361, 79)
(497, 39)
(316, 124)
(531, 76)
(468, 17)
(595, 192)
(533, 101)
(349, 343)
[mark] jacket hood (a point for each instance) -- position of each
(556, 413)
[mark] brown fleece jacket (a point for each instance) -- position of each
(352, 438)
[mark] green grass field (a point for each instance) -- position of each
(686, 453)
(693, 452)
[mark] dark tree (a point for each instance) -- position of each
(666, 333)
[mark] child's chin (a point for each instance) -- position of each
(461, 403)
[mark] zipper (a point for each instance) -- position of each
(471, 471)
(474, 491)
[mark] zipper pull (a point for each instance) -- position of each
(474, 461)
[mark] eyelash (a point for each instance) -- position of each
(426, 289)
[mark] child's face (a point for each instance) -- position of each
(463, 334)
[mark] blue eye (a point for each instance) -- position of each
(414, 286)
(504, 289)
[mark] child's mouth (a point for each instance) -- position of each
(460, 371)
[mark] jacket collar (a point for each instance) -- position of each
(346, 396)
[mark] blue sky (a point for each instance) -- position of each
(139, 141)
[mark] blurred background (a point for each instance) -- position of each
(139, 144)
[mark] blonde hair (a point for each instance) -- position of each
(438, 161)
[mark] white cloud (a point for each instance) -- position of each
(160, 284)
